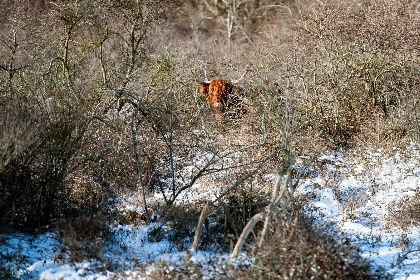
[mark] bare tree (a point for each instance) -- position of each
(235, 14)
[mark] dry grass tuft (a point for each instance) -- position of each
(404, 213)
(83, 239)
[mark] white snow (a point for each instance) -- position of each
(361, 200)
(358, 193)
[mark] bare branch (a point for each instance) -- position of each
(199, 229)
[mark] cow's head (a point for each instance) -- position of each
(220, 95)
(204, 87)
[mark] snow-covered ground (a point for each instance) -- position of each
(362, 194)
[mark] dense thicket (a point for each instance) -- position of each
(100, 97)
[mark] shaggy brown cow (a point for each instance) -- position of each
(221, 95)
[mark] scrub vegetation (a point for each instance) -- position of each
(99, 102)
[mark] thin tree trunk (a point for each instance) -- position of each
(136, 154)
(276, 199)
(200, 226)
(252, 222)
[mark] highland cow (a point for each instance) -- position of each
(221, 94)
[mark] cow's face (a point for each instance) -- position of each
(205, 88)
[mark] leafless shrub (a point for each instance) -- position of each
(55, 114)
(82, 239)
(359, 76)
(235, 15)
(310, 254)
(405, 212)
